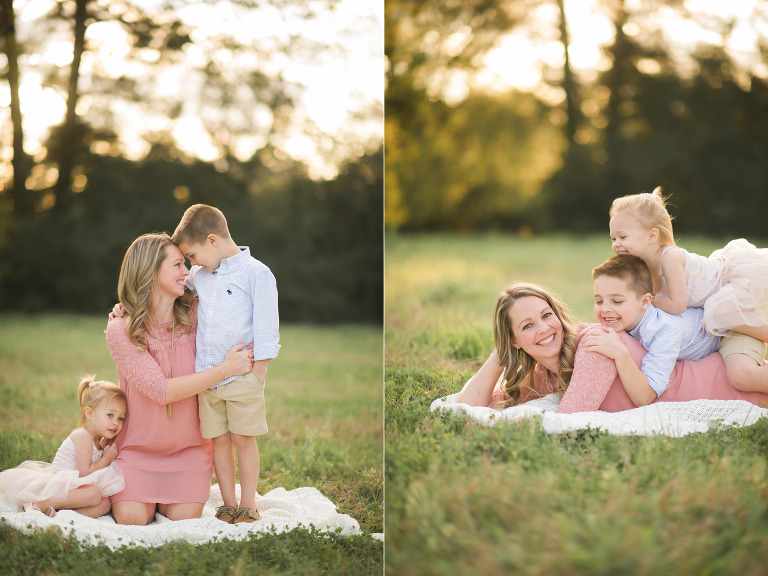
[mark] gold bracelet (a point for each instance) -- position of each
(222, 372)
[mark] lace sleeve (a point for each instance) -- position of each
(137, 369)
(593, 375)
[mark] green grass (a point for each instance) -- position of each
(461, 498)
(324, 409)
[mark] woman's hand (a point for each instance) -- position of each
(604, 341)
(238, 361)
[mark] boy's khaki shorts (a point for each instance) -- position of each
(738, 343)
(237, 406)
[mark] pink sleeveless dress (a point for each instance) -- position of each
(731, 285)
(165, 460)
(32, 481)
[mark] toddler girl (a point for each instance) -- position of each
(83, 473)
(731, 284)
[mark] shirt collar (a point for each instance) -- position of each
(649, 312)
(228, 264)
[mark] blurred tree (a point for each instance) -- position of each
(569, 84)
(323, 240)
(68, 133)
(22, 202)
(428, 45)
(655, 119)
(171, 72)
(464, 172)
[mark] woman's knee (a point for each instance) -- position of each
(182, 511)
(132, 513)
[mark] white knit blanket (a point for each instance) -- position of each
(280, 510)
(662, 418)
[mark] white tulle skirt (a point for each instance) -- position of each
(33, 481)
(743, 298)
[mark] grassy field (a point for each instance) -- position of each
(511, 499)
(324, 408)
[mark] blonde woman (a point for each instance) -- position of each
(166, 462)
(535, 345)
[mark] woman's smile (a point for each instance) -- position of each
(536, 330)
(548, 340)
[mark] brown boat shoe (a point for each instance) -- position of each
(246, 515)
(226, 514)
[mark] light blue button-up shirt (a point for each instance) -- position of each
(669, 338)
(238, 303)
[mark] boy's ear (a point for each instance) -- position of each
(653, 236)
(646, 300)
(212, 238)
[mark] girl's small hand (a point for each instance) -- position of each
(110, 453)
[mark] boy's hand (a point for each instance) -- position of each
(604, 341)
(260, 370)
(117, 312)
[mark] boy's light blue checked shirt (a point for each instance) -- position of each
(669, 338)
(238, 303)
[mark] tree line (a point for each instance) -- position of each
(323, 240)
(69, 210)
(517, 161)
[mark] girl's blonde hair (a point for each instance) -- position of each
(138, 274)
(518, 365)
(650, 210)
(91, 393)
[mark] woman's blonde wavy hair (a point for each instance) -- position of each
(650, 210)
(138, 275)
(518, 365)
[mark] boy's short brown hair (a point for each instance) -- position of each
(197, 222)
(631, 269)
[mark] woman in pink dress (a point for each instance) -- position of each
(539, 350)
(166, 462)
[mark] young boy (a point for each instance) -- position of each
(238, 303)
(623, 301)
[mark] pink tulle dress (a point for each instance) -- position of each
(595, 384)
(731, 285)
(34, 481)
(165, 459)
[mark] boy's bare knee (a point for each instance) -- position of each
(223, 440)
(243, 441)
(741, 371)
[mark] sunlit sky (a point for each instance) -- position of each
(518, 59)
(341, 82)
(336, 84)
